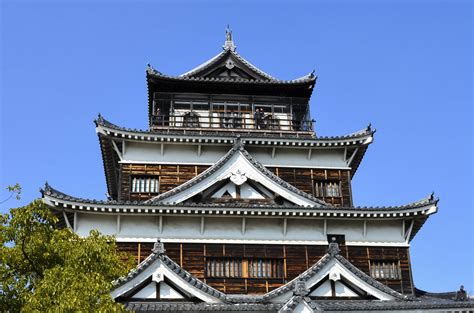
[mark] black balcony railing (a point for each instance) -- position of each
(231, 121)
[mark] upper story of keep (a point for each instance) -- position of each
(194, 119)
(229, 94)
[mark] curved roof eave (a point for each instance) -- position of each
(421, 208)
(305, 80)
(220, 56)
(364, 136)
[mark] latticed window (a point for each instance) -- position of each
(224, 267)
(244, 268)
(385, 269)
(145, 184)
(327, 189)
(265, 268)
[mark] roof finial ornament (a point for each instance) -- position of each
(461, 294)
(238, 143)
(300, 289)
(333, 247)
(158, 247)
(228, 33)
(229, 43)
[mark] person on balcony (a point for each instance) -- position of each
(158, 117)
(258, 117)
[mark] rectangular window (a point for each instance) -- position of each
(385, 269)
(327, 189)
(244, 268)
(145, 184)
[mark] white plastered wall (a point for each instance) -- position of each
(250, 229)
(150, 153)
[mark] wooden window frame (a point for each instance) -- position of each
(320, 188)
(141, 179)
(253, 268)
(385, 269)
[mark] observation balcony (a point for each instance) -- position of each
(230, 113)
(231, 122)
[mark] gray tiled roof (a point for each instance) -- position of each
(323, 305)
(306, 80)
(267, 79)
(291, 305)
(372, 305)
(101, 121)
(226, 52)
(49, 191)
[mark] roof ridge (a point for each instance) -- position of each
(203, 65)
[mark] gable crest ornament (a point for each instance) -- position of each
(238, 177)
(229, 64)
(334, 275)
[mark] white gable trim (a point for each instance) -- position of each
(336, 270)
(147, 292)
(158, 271)
(239, 163)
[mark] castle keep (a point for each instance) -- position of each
(230, 201)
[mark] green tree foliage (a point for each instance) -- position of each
(43, 268)
(14, 190)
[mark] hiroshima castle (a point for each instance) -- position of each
(231, 202)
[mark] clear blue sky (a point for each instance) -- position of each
(405, 66)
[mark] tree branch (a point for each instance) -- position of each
(29, 260)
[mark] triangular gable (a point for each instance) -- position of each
(160, 278)
(335, 272)
(228, 64)
(336, 288)
(239, 167)
(245, 190)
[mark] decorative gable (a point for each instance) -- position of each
(334, 277)
(230, 66)
(238, 177)
(161, 279)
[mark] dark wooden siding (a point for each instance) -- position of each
(296, 259)
(172, 176)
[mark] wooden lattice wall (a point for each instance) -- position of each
(296, 259)
(171, 176)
